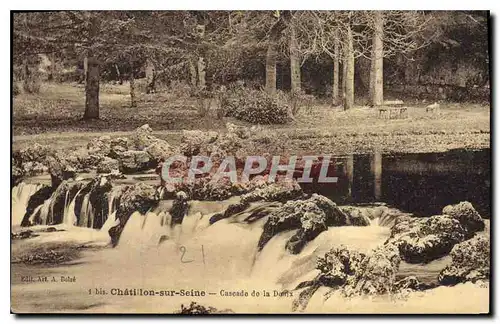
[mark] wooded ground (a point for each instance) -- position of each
(54, 117)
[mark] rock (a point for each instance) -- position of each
(421, 240)
(37, 199)
(100, 146)
(118, 146)
(143, 140)
(120, 141)
(23, 235)
(193, 142)
(17, 174)
(230, 211)
(196, 309)
(355, 216)
(65, 192)
(134, 161)
(31, 161)
(142, 137)
(205, 188)
(310, 217)
(376, 273)
(108, 165)
(179, 208)
(34, 153)
(85, 161)
(59, 170)
(410, 283)
(159, 151)
(96, 192)
(337, 265)
(48, 254)
(470, 262)
(465, 213)
(226, 145)
(139, 197)
(354, 273)
(277, 191)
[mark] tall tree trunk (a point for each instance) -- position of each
(294, 61)
(92, 74)
(52, 68)
(336, 57)
(193, 76)
(119, 74)
(372, 76)
(349, 85)
(85, 69)
(150, 76)
(202, 74)
(92, 90)
(133, 101)
(202, 80)
(272, 54)
(344, 75)
(377, 71)
(271, 68)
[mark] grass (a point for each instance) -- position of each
(54, 117)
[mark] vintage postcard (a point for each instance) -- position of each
(239, 162)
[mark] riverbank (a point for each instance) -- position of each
(53, 117)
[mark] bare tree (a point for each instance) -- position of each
(377, 61)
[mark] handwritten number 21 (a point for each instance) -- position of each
(183, 250)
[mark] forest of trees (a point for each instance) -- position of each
(341, 55)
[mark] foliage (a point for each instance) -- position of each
(255, 106)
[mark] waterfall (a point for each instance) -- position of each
(44, 211)
(20, 197)
(86, 212)
(69, 218)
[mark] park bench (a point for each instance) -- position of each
(393, 112)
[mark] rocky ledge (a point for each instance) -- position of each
(421, 240)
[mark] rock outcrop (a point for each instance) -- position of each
(91, 203)
(108, 165)
(310, 217)
(134, 161)
(470, 262)
(37, 199)
(194, 142)
(465, 213)
(356, 216)
(281, 191)
(139, 197)
(354, 274)
(376, 273)
(421, 240)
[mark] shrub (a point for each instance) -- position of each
(32, 85)
(203, 101)
(180, 89)
(298, 100)
(255, 106)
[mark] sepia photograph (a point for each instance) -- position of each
(222, 162)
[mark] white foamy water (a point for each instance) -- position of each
(218, 259)
(20, 197)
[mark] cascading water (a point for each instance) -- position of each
(20, 197)
(153, 252)
(69, 218)
(59, 206)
